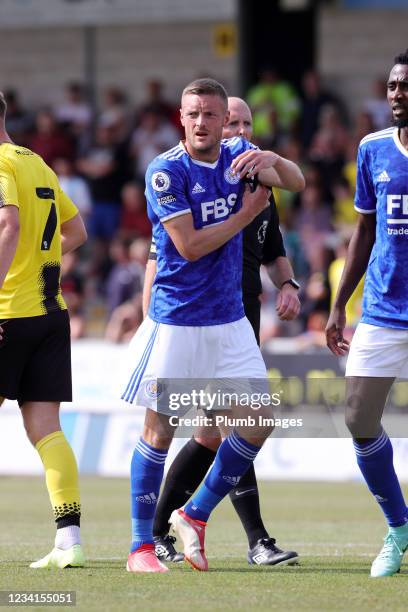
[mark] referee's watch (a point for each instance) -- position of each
(292, 282)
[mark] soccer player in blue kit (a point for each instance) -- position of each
(379, 349)
(196, 327)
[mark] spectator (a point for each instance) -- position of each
(329, 147)
(343, 208)
(353, 308)
(313, 223)
(125, 285)
(134, 221)
(75, 112)
(72, 287)
(314, 336)
(275, 105)
(126, 275)
(105, 168)
(377, 106)
(20, 122)
(363, 125)
(49, 140)
(74, 186)
(314, 100)
(114, 112)
(154, 135)
(155, 99)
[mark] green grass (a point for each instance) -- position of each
(335, 527)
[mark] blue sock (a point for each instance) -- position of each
(232, 460)
(146, 474)
(375, 460)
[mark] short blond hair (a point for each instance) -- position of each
(206, 87)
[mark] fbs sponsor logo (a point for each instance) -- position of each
(198, 189)
(397, 203)
(383, 177)
(219, 208)
(149, 498)
(397, 211)
(167, 199)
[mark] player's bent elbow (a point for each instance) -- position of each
(11, 227)
(190, 255)
(83, 237)
(9, 222)
(301, 183)
(188, 251)
(298, 183)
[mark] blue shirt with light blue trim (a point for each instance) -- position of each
(382, 188)
(207, 291)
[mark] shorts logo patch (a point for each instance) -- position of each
(160, 181)
(153, 389)
(231, 178)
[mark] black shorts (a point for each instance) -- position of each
(35, 358)
(252, 308)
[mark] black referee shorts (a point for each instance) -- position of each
(35, 358)
(252, 308)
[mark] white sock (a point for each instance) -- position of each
(67, 537)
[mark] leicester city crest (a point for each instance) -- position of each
(153, 389)
(230, 177)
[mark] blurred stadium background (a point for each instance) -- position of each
(94, 85)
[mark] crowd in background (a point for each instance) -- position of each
(101, 156)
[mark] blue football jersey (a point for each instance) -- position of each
(206, 291)
(382, 188)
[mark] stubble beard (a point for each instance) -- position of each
(400, 122)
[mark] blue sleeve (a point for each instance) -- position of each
(238, 145)
(249, 145)
(165, 193)
(365, 199)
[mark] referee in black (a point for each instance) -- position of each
(262, 244)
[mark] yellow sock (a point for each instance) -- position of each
(61, 476)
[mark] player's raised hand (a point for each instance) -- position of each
(253, 202)
(250, 162)
(334, 332)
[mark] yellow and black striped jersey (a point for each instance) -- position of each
(32, 285)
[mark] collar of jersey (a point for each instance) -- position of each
(198, 162)
(399, 143)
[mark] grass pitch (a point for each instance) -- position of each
(336, 528)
